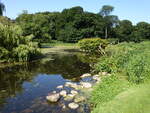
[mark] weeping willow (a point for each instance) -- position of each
(14, 46)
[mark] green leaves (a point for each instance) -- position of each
(93, 45)
(14, 46)
(128, 59)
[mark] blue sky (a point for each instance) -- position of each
(134, 10)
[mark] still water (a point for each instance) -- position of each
(23, 87)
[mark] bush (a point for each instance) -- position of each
(93, 45)
(130, 59)
(24, 52)
(14, 46)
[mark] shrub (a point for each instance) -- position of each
(130, 59)
(24, 52)
(93, 45)
(14, 46)
(4, 53)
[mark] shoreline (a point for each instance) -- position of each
(45, 51)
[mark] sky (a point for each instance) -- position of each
(133, 10)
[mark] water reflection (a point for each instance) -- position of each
(23, 87)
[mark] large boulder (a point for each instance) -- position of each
(54, 97)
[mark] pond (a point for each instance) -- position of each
(23, 88)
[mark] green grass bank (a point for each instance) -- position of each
(127, 90)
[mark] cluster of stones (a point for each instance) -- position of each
(74, 93)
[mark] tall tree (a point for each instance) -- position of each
(105, 12)
(124, 30)
(2, 8)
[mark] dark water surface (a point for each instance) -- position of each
(23, 87)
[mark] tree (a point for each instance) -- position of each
(106, 10)
(144, 30)
(14, 46)
(2, 8)
(40, 25)
(124, 30)
(75, 24)
(110, 20)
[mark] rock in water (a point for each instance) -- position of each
(60, 87)
(79, 99)
(68, 98)
(71, 95)
(64, 107)
(72, 85)
(73, 105)
(86, 75)
(86, 84)
(74, 92)
(96, 77)
(63, 93)
(54, 97)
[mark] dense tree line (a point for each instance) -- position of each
(74, 24)
(70, 25)
(18, 37)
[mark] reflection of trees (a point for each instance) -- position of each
(69, 66)
(12, 78)
(87, 58)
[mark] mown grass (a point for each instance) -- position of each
(133, 100)
(129, 64)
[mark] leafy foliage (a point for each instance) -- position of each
(70, 25)
(37, 25)
(132, 60)
(74, 24)
(93, 45)
(129, 65)
(14, 46)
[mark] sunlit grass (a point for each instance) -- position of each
(126, 93)
(134, 100)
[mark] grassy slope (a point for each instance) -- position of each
(129, 64)
(134, 100)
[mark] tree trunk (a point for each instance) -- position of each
(106, 33)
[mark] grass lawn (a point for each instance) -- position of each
(127, 90)
(134, 100)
